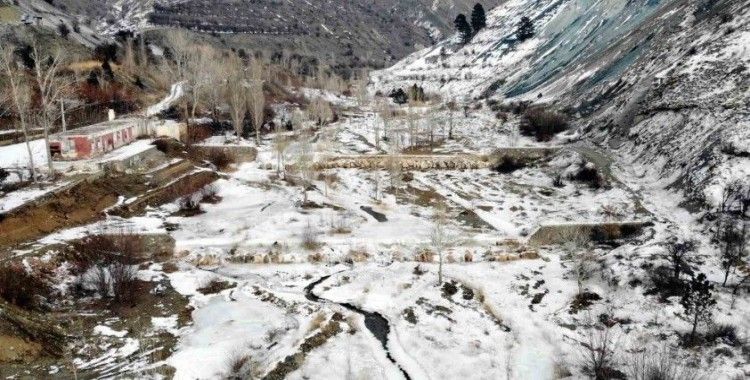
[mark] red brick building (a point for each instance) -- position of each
(94, 140)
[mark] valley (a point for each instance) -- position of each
(559, 192)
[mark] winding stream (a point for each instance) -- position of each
(375, 323)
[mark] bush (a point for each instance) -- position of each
(116, 280)
(726, 333)
(663, 365)
(589, 174)
(20, 288)
(508, 164)
(542, 124)
(104, 249)
(220, 158)
(210, 194)
(198, 132)
(310, 238)
(189, 206)
(63, 30)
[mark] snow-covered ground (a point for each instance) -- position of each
(512, 319)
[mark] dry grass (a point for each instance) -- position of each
(206, 261)
(19, 287)
(425, 256)
(310, 238)
(317, 322)
(357, 255)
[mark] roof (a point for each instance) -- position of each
(104, 127)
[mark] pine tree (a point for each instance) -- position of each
(478, 18)
(525, 29)
(463, 28)
(698, 301)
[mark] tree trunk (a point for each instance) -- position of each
(726, 275)
(440, 268)
(50, 168)
(28, 148)
(695, 326)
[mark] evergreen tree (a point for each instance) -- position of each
(525, 29)
(478, 18)
(463, 28)
(698, 302)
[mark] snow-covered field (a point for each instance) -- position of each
(516, 319)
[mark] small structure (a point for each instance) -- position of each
(98, 139)
(94, 140)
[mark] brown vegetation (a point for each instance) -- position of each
(542, 124)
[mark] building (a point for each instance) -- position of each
(95, 140)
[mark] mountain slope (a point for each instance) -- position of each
(358, 33)
(665, 84)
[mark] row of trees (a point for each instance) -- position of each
(211, 78)
(35, 87)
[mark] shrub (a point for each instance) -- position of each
(19, 287)
(189, 206)
(220, 158)
(210, 194)
(542, 124)
(108, 263)
(116, 280)
(589, 174)
(104, 249)
(198, 132)
(63, 30)
(310, 238)
(726, 333)
(663, 365)
(508, 164)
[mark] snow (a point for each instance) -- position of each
(25, 195)
(175, 93)
(107, 331)
(17, 155)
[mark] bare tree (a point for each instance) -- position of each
(583, 258)
(321, 111)
(256, 104)
(201, 73)
(52, 87)
(20, 97)
(280, 145)
(452, 108)
(438, 237)
(386, 114)
(393, 165)
(305, 166)
(236, 93)
(179, 66)
(598, 351)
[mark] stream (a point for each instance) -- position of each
(375, 323)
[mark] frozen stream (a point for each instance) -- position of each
(375, 323)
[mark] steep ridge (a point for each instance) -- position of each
(568, 34)
(375, 32)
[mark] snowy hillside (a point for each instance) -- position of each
(568, 34)
(645, 76)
